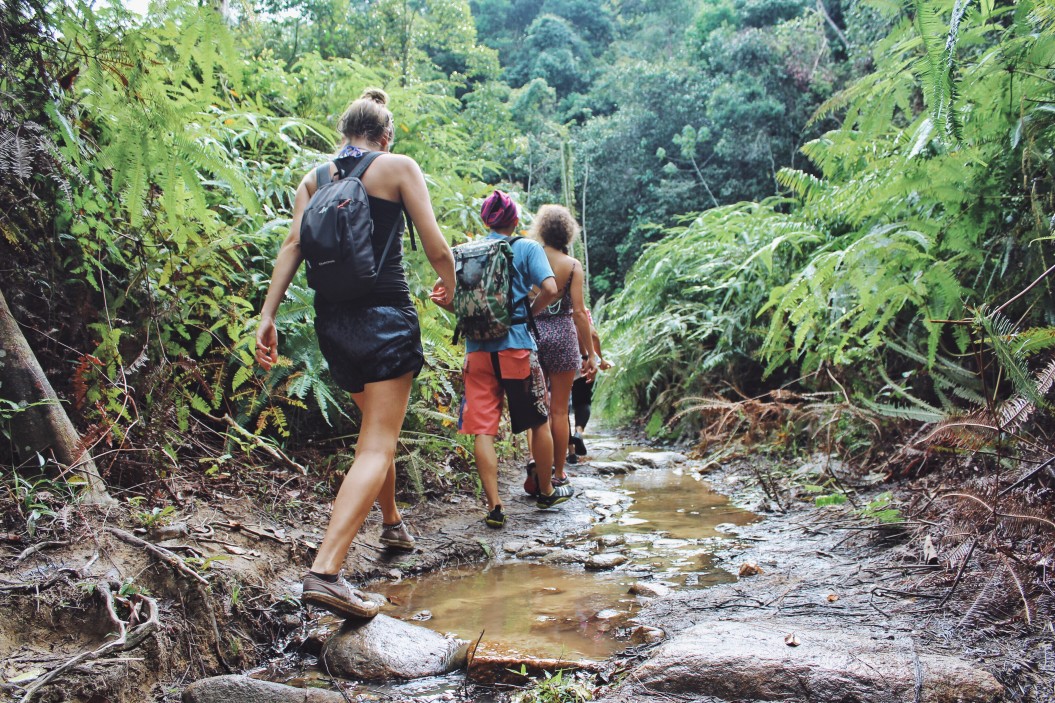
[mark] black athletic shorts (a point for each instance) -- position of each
(369, 344)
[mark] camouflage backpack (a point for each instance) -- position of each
(483, 296)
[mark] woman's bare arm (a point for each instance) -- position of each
(286, 265)
(415, 195)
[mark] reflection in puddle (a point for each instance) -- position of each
(670, 523)
(521, 607)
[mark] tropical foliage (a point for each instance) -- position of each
(931, 201)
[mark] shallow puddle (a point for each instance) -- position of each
(671, 523)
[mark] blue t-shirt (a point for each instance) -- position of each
(532, 268)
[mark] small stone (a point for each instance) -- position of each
(612, 468)
(535, 552)
(749, 568)
(656, 460)
(647, 635)
(605, 561)
(611, 540)
(649, 590)
(565, 556)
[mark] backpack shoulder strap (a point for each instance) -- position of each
(361, 164)
(322, 175)
(357, 171)
(528, 317)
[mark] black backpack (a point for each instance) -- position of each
(336, 233)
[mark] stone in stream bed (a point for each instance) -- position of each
(656, 460)
(242, 689)
(649, 590)
(566, 556)
(612, 468)
(534, 552)
(385, 648)
(752, 660)
(605, 561)
(611, 540)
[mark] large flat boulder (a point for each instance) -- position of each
(385, 648)
(242, 689)
(752, 660)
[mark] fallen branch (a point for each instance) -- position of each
(161, 553)
(271, 449)
(125, 640)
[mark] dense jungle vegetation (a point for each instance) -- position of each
(829, 223)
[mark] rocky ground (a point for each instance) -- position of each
(822, 608)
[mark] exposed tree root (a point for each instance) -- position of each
(126, 640)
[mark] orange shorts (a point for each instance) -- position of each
(512, 373)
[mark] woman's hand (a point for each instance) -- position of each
(442, 294)
(266, 343)
(589, 368)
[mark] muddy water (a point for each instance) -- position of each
(670, 523)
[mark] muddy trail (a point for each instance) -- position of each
(665, 578)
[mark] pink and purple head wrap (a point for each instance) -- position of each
(499, 211)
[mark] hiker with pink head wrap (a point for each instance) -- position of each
(508, 367)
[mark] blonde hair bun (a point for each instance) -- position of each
(376, 94)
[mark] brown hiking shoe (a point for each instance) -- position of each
(397, 536)
(340, 598)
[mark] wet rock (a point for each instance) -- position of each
(606, 498)
(319, 633)
(656, 460)
(517, 670)
(609, 541)
(288, 621)
(513, 547)
(242, 689)
(649, 590)
(605, 561)
(385, 648)
(644, 634)
(535, 552)
(565, 556)
(737, 660)
(612, 468)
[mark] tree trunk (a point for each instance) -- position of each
(45, 427)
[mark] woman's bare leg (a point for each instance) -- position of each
(383, 404)
(560, 392)
(386, 499)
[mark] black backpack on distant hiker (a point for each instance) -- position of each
(336, 233)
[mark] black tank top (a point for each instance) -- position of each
(391, 288)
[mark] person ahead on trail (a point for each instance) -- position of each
(507, 364)
(372, 343)
(564, 344)
(582, 397)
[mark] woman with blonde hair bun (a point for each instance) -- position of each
(565, 346)
(371, 344)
